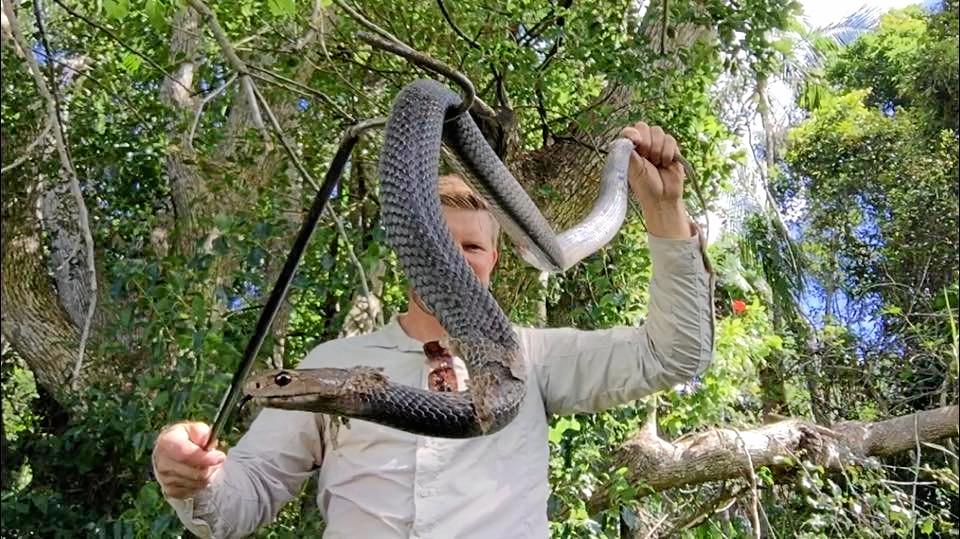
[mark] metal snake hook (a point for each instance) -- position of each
(269, 312)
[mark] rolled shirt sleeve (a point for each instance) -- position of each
(589, 371)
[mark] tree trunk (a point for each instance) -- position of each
(772, 372)
(40, 313)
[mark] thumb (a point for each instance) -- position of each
(642, 169)
(198, 433)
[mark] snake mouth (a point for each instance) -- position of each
(310, 402)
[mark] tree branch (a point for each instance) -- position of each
(725, 453)
(149, 61)
(389, 42)
(446, 15)
(719, 503)
(307, 177)
(196, 117)
(663, 29)
(231, 55)
(51, 98)
(302, 89)
(83, 218)
(29, 149)
(373, 311)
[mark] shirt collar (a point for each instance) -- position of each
(393, 336)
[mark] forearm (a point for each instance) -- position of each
(589, 371)
(680, 322)
(231, 506)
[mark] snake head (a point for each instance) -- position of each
(311, 390)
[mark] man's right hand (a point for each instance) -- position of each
(180, 463)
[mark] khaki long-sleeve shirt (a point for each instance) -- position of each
(378, 482)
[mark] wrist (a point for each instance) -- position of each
(668, 220)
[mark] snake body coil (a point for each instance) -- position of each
(479, 332)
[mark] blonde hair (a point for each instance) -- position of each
(455, 193)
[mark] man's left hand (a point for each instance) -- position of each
(656, 179)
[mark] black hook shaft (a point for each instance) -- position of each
(279, 291)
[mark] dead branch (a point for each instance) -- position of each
(307, 177)
(300, 88)
(373, 311)
(83, 218)
(203, 103)
(387, 41)
(725, 453)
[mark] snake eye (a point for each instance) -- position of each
(282, 379)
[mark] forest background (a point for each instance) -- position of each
(151, 192)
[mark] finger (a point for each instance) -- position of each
(639, 134)
(630, 134)
(196, 457)
(668, 153)
(181, 445)
(198, 433)
(656, 145)
(676, 168)
(641, 170)
(172, 469)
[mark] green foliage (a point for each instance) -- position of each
(881, 193)
(180, 296)
(909, 62)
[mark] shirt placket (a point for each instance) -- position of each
(426, 471)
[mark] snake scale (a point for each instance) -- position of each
(477, 329)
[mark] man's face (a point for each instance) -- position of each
(473, 232)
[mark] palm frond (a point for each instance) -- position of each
(851, 27)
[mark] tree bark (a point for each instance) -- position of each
(725, 453)
(40, 313)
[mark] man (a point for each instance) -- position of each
(380, 482)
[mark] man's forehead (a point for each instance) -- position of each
(469, 222)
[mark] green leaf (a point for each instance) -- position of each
(131, 62)
(283, 8)
(563, 425)
(116, 9)
(41, 502)
(783, 46)
(156, 14)
(100, 126)
(148, 495)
